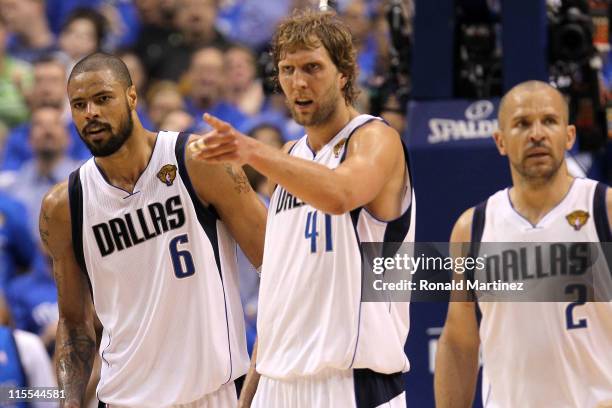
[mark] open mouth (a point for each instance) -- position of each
(303, 102)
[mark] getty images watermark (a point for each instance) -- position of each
(536, 272)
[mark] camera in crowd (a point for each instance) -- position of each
(574, 67)
(477, 51)
(390, 91)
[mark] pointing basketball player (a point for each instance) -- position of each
(141, 238)
(534, 354)
(346, 181)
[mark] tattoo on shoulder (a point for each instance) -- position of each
(241, 182)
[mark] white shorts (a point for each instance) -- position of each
(333, 389)
(224, 397)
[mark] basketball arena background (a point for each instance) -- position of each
(435, 68)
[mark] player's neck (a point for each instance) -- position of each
(123, 168)
(533, 200)
(320, 135)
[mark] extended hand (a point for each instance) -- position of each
(223, 144)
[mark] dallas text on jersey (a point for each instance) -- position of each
(121, 233)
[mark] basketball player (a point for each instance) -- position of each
(347, 181)
(144, 233)
(534, 354)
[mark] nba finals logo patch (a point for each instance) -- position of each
(338, 147)
(577, 219)
(167, 174)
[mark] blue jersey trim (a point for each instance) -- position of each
(374, 389)
(600, 213)
(75, 199)
(355, 218)
(208, 220)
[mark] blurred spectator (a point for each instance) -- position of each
(16, 242)
(13, 75)
(251, 22)
(27, 21)
(178, 120)
(82, 34)
(272, 135)
(162, 98)
(5, 313)
(139, 79)
(49, 90)
(23, 361)
(195, 22)
(48, 139)
(207, 84)
(244, 90)
(357, 16)
(49, 84)
(136, 69)
(32, 299)
(157, 34)
(394, 114)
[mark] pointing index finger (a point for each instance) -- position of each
(217, 123)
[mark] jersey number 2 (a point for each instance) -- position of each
(312, 233)
(569, 311)
(182, 261)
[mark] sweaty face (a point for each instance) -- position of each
(100, 111)
(535, 134)
(312, 85)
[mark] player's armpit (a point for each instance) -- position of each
(75, 344)
(227, 188)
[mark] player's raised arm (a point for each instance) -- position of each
(354, 183)
(227, 188)
(76, 338)
(457, 356)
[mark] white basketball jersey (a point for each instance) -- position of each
(163, 273)
(310, 314)
(546, 354)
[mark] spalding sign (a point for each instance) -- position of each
(478, 124)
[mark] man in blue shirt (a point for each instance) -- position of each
(49, 89)
(206, 75)
(16, 243)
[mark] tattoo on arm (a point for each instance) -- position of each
(241, 182)
(74, 363)
(43, 223)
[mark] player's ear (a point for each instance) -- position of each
(343, 80)
(499, 142)
(571, 137)
(132, 97)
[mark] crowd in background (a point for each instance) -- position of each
(186, 57)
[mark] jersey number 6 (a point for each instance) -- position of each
(182, 261)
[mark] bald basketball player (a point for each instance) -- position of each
(534, 354)
(142, 238)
